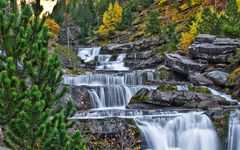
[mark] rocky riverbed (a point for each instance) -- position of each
(130, 80)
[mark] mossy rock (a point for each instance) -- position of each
(165, 87)
(140, 97)
(234, 76)
(199, 89)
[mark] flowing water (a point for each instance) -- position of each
(161, 130)
(189, 131)
(234, 131)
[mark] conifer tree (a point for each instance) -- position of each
(29, 84)
(231, 20)
(153, 24)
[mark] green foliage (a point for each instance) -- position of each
(127, 19)
(85, 17)
(58, 12)
(209, 16)
(153, 23)
(166, 87)
(199, 89)
(29, 85)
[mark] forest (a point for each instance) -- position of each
(120, 75)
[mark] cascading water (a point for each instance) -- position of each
(110, 90)
(88, 54)
(165, 130)
(189, 131)
(106, 64)
(234, 131)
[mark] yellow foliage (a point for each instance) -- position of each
(195, 2)
(189, 37)
(111, 18)
(238, 3)
(184, 6)
(54, 28)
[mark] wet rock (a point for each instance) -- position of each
(199, 79)
(206, 104)
(182, 64)
(80, 97)
(218, 77)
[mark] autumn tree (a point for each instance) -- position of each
(188, 37)
(111, 18)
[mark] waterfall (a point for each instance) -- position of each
(106, 64)
(150, 76)
(234, 131)
(182, 88)
(189, 131)
(88, 54)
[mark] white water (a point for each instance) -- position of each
(182, 88)
(190, 131)
(222, 94)
(111, 90)
(88, 54)
(117, 65)
(234, 131)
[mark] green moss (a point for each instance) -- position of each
(199, 89)
(165, 87)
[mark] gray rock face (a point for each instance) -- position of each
(212, 49)
(188, 99)
(205, 38)
(150, 62)
(199, 79)
(208, 104)
(139, 45)
(218, 77)
(182, 64)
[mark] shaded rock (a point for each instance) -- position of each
(212, 49)
(139, 45)
(148, 63)
(218, 77)
(199, 79)
(206, 104)
(205, 38)
(1, 135)
(182, 64)
(80, 97)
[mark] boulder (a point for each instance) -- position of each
(205, 38)
(182, 64)
(171, 97)
(218, 77)
(206, 104)
(138, 45)
(80, 97)
(199, 79)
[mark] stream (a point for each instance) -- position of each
(110, 92)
